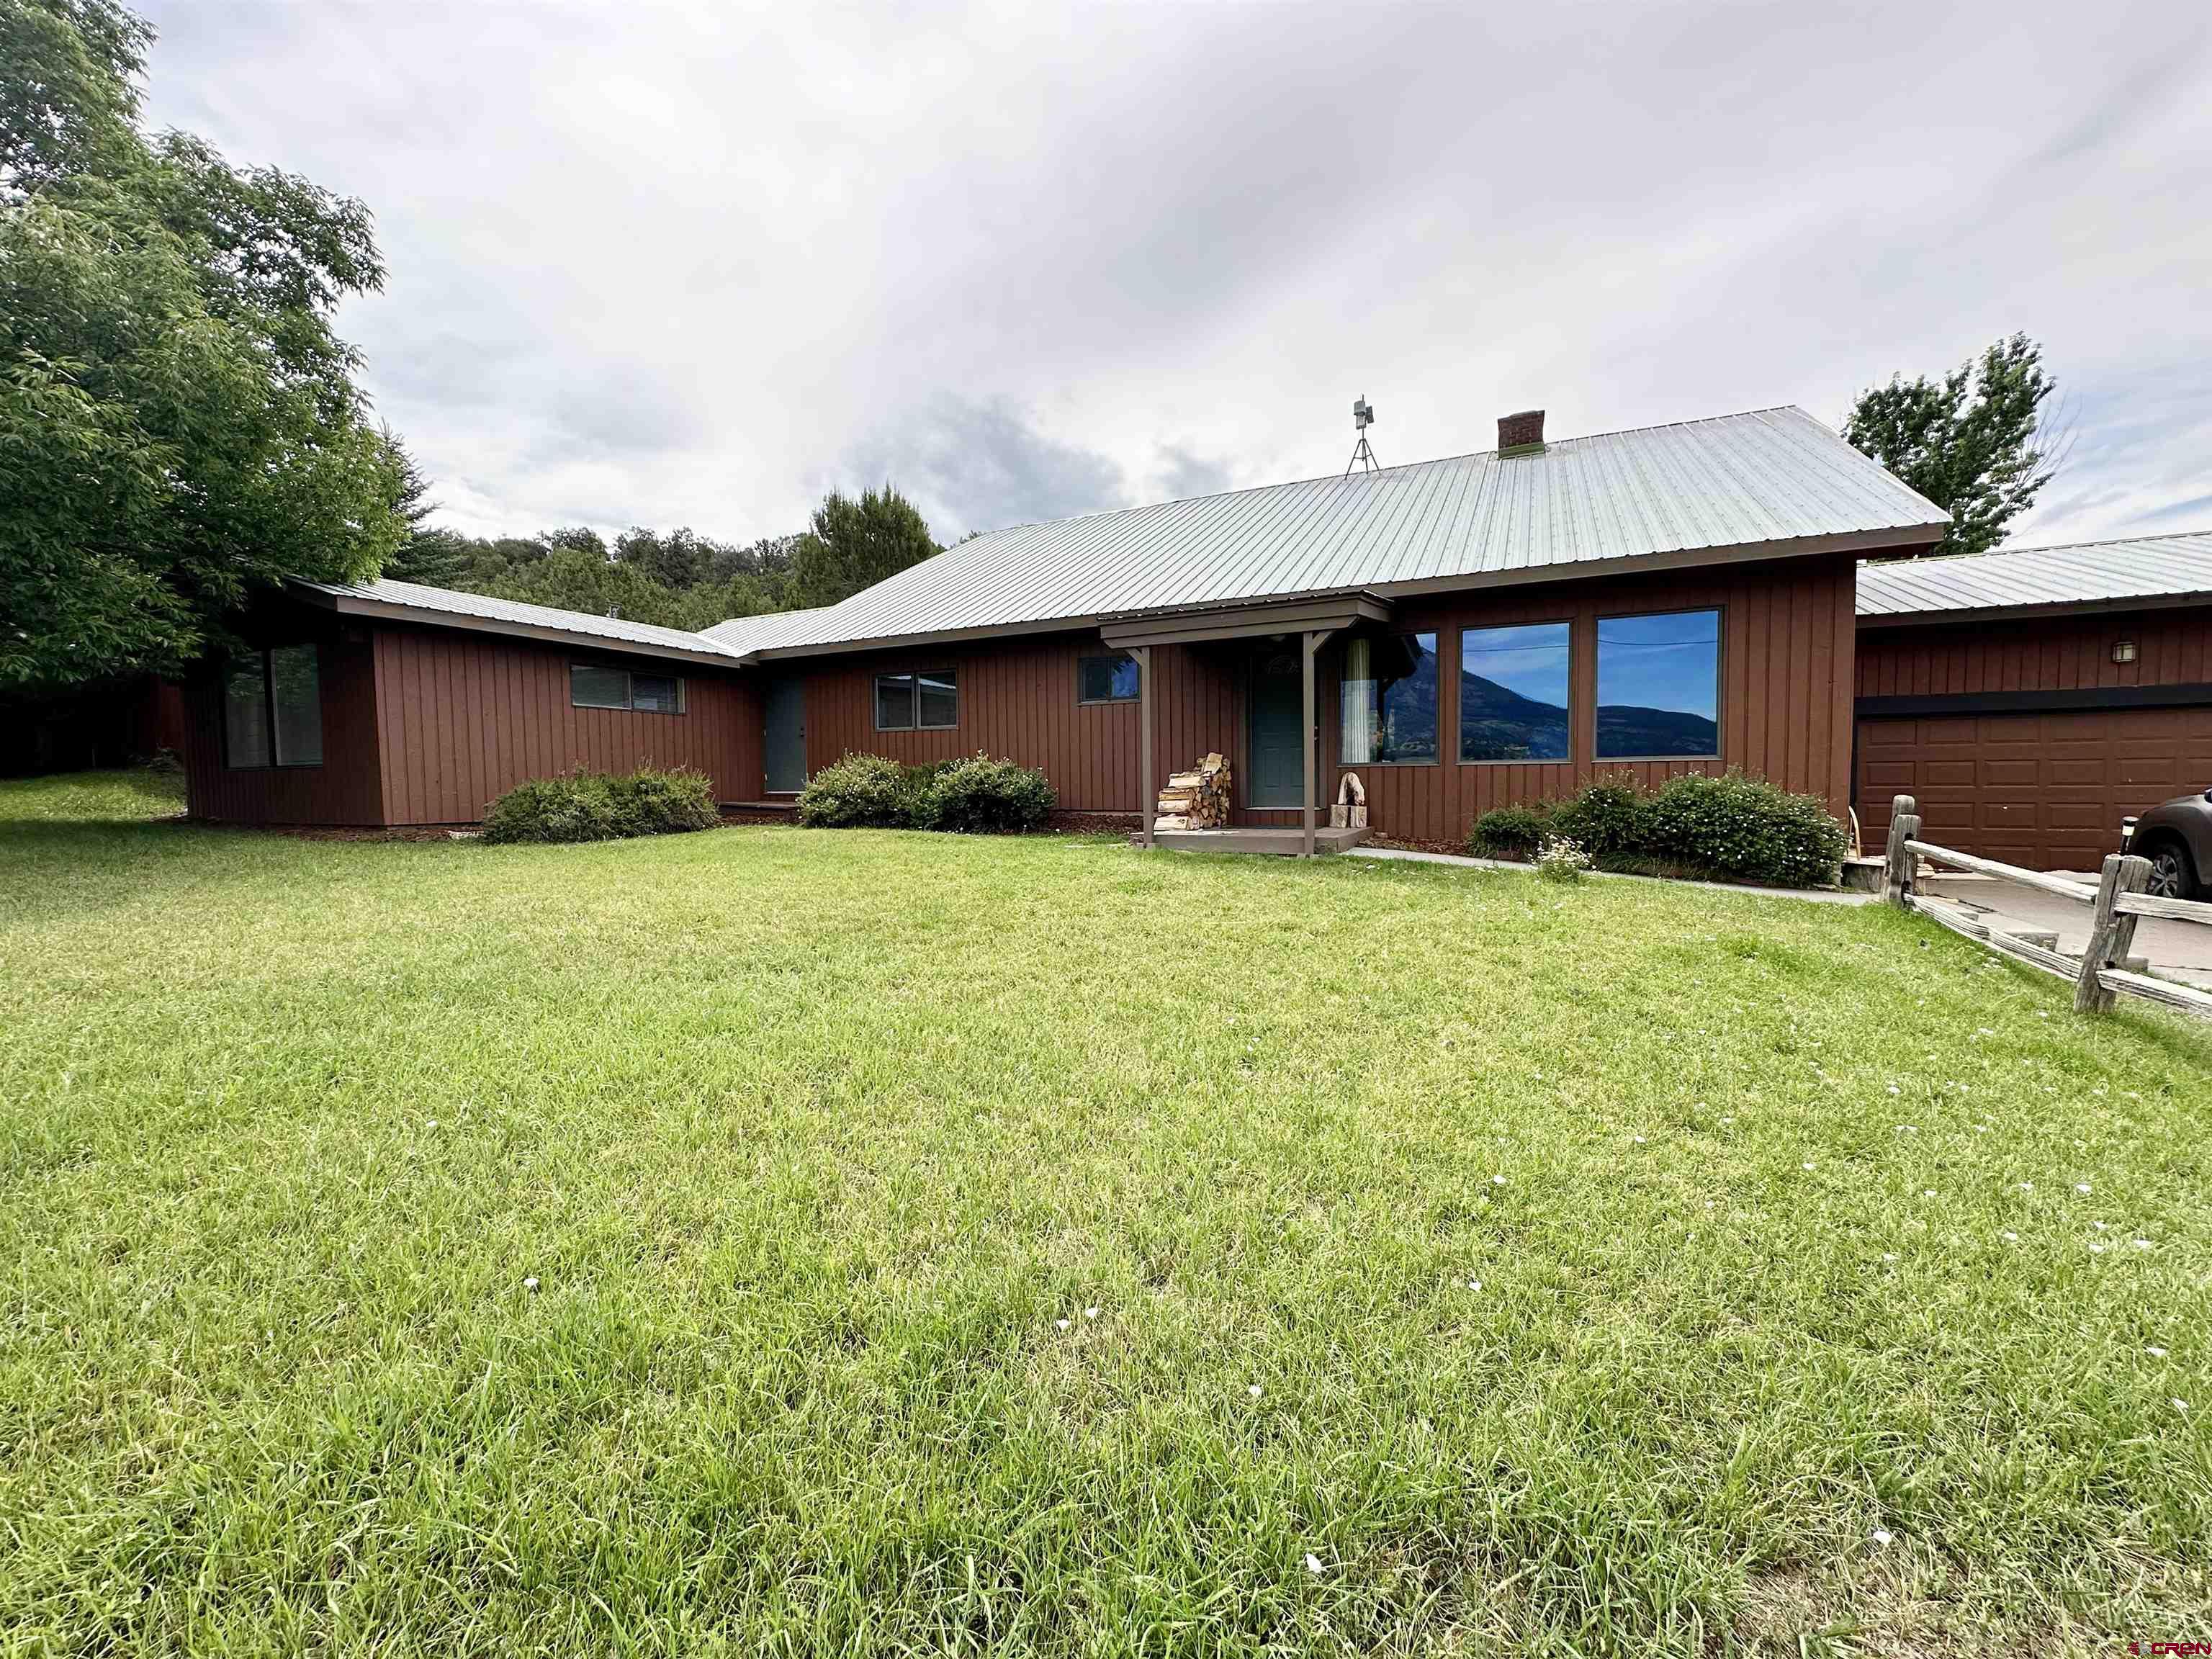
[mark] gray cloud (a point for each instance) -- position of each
(664, 264)
(982, 466)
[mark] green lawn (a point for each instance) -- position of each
(942, 1244)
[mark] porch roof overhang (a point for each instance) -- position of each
(1194, 625)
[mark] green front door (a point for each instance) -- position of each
(1278, 706)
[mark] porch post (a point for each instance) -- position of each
(1146, 789)
(1308, 759)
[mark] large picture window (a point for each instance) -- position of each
(1389, 700)
(926, 702)
(272, 709)
(1107, 679)
(1659, 686)
(593, 685)
(1513, 693)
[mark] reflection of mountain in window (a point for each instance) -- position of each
(1658, 685)
(1389, 700)
(1513, 697)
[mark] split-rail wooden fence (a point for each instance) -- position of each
(2105, 970)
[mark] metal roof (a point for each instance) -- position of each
(2084, 573)
(744, 634)
(437, 604)
(1697, 492)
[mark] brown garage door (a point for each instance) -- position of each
(2045, 790)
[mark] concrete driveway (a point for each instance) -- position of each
(2183, 949)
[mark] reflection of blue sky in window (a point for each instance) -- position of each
(1530, 661)
(1660, 662)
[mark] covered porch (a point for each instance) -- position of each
(1300, 627)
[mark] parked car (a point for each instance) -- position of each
(2176, 837)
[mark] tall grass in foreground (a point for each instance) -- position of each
(768, 1241)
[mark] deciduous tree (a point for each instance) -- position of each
(1979, 442)
(179, 424)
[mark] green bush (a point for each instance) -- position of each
(1744, 827)
(1509, 832)
(1606, 817)
(975, 795)
(668, 803)
(861, 792)
(1693, 825)
(582, 805)
(980, 796)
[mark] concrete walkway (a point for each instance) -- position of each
(1816, 895)
(2182, 950)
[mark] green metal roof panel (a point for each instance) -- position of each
(1772, 476)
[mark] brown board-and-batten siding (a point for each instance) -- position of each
(1784, 709)
(462, 717)
(1784, 693)
(346, 788)
(2021, 739)
(1019, 699)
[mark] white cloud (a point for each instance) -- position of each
(689, 265)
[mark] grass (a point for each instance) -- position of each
(783, 1242)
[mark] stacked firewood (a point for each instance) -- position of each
(1196, 799)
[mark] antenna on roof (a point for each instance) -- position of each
(1363, 416)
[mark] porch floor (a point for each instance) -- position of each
(1279, 840)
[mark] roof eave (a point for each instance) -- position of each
(358, 605)
(1926, 618)
(1855, 543)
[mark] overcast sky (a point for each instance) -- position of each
(659, 265)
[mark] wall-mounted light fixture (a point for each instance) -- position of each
(2124, 650)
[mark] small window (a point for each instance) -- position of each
(894, 702)
(272, 709)
(656, 694)
(1107, 679)
(295, 701)
(245, 713)
(1658, 686)
(591, 685)
(1390, 701)
(929, 702)
(940, 701)
(1513, 694)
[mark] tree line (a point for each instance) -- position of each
(182, 428)
(674, 578)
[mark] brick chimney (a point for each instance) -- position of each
(1522, 431)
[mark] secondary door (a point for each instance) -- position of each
(785, 747)
(1278, 730)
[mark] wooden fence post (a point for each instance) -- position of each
(2112, 935)
(1904, 826)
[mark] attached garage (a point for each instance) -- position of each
(2031, 701)
(2045, 790)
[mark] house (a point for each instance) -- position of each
(1463, 633)
(2030, 699)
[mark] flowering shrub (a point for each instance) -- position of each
(1608, 816)
(858, 792)
(1694, 824)
(1561, 859)
(1744, 827)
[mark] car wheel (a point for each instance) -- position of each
(2171, 874)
